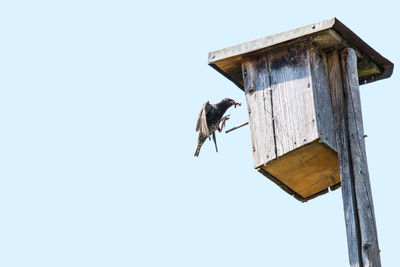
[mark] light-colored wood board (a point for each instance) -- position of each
(328, 34)
(292, 99)
(363, 194)
(329, 40)
(258, 98)
(321, 96)
(307, 170)
(269, 41)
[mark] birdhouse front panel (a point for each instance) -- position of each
(290, 116)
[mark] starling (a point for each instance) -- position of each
(211, 115)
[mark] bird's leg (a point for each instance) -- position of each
(222, 122)
(215, 142)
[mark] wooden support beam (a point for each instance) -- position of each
(369, 237)
(356, 190)
(339, 114)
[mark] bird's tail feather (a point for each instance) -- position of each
(199, 144)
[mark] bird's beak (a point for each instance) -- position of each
(233, 102)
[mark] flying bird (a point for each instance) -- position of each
(209, 120)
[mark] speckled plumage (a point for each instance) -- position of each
(209, 119)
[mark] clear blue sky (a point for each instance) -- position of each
(98, 102)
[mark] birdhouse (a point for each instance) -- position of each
(286, 81)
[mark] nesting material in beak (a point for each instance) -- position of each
(234, 103)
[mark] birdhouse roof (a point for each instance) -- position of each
(328, 35)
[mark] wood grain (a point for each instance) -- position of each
(340, 119)
(322, 97)
(308, 170)
(292, 95)
(258, 98)
(369, 238)
(356, 190)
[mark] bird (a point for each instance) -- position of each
(209, 120)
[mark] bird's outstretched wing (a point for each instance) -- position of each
(201, 124)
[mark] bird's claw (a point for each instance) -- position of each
(222, 122)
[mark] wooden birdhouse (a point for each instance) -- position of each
(286, 80)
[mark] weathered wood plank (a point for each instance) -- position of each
(322, 97)
(369, 239)
(258, 98)
(269, 41)
(348, 191)
(292, 98)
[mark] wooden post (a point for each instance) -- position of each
(356, 190)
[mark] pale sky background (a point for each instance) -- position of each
(98, 102)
